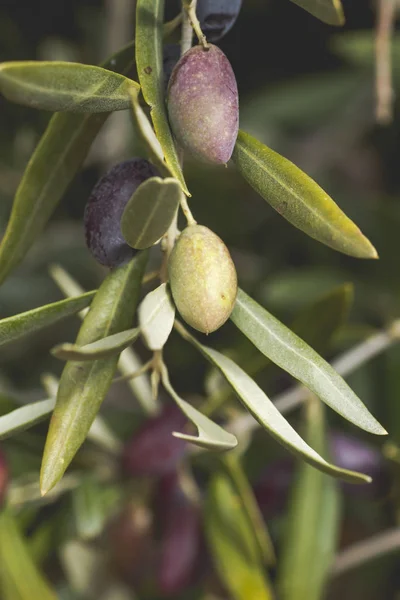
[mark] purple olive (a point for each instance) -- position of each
(203, 104)
(217, 17)
(272, 488)
(103, 212)
(3, 478)
(154, 450)
(180, 538)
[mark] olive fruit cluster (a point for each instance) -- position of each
(203, 110)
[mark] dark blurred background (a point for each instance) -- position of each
(306, 90)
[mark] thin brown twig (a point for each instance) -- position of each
(384, 87)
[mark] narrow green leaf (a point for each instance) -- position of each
(149, 61)
(54, 163)
(128, 362)
(25, 417)
(210, 435)
(298, 198)
(92, 502)
(148, 135)
(265, 412)
(65, 86)
(312, 525)
(19, 577)
(329, 11)
(293, 355)
(250, 507)
(150, 211)
(13, 328)
(232, 543)
(156, 317)
(108, 346)
(83, 386)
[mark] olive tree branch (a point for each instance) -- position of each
(383, 82)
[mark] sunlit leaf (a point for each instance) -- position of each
(83, 386)
(149, 61)
(108, 346)
(25, 417)
(210, 435)
(250, 508)
(293, 355)
(312, 525)
(65, 86)
(265, 412)
(298, 198)
(13, 328)
(150, 211)
(19, 577)
(55, 161)
(156, 317)
(232, 544)
(329, 11)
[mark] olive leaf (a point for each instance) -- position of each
(91, 505)
(83, 386)
(150, 211)
(250, 508)
(265, 412)
(156, 317)
(313, 522)
(210, 435)
(128, 362)
(20, 578)
(147, 133)
(55, 161)
(108, 346)
(65, 86)
(149, 62)
(232, 544)
(25, 417)
(316, 324)
(17, 326)
(298, 198)
(329, 11)
(292, 354)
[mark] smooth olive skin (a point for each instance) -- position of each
(202, 278)
(104, 208)
(203, 104)
(217, 17)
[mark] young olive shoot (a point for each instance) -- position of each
(104, 208)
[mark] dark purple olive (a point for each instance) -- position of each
(103, 212)
(3, 478)
(203, 104)
(171, 55)
(154, 450)
(217, 17)
(180, 538)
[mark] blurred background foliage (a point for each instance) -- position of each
(306, 90)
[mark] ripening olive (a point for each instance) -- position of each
(203, 104)
(202, 278)
(104, 208)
